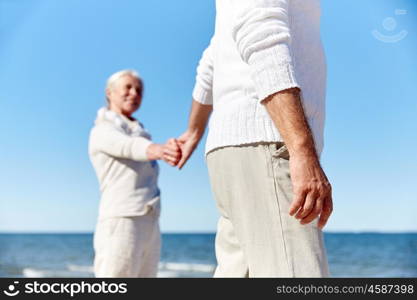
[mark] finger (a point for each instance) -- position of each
(172, 143)
(307, 206)
(172, 147)
(182, 162)
(175, 143)
(175, 146)
(172, 164)
(170, 160)
(299, 198)
(182, 138)
(172, 153)
(185, 156)
(326, 212)
(315, 212)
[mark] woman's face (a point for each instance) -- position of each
(125, 96)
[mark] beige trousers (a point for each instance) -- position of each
(256, 237)
(127, 247)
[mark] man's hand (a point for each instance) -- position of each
(171, 152)
(188, 141)
(312, 191)
(197, 122)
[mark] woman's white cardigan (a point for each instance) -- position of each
(128, 180)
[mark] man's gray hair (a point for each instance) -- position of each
(116, 76)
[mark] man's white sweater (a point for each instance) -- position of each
(128, 180)
(261, 47)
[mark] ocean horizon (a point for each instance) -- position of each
(70, 254)
(210, 232)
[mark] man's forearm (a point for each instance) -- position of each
(198, 119)
(197, 123)
(287, 113)
(311, 188)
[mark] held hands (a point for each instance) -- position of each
(176, 152)
(188, 141)
(171, 152)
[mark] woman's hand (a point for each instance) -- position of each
(188, 141)
(171, 152)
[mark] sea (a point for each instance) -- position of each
(192, 255)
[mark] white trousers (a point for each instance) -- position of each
(127, 247)
(256, 237)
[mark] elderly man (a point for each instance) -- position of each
(127, 238)
(263, 79)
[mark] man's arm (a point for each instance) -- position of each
(197, 123)
(312, 190)
(202, 91)
(262, 35)
(201, 107)
(287, 112)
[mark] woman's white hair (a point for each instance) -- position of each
(116, 76)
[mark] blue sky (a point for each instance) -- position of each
(56, 55)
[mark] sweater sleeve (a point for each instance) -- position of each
(109, 140)
(262, 36)
(204, 79)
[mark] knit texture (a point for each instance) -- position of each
(261, 47)
(128, 180)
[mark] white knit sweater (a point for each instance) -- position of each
(261, 47)
(128, 180)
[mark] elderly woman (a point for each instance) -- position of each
(127, 238)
